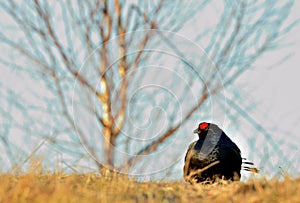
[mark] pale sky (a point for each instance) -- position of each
(274, 89)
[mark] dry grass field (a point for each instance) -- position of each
(33, 187)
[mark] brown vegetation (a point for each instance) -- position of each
(33, 187)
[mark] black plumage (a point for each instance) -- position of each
(213, 156)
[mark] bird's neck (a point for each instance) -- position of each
(202, 136)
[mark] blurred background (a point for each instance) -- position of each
(93, 85)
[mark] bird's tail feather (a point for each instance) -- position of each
(249, 166)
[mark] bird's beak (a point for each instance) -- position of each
(196, 131)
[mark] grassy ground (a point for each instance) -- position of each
(92, 188)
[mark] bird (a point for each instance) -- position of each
(213, 156)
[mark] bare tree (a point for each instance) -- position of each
(92, 57)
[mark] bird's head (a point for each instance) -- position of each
(204, 127)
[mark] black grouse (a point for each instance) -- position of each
(213, 156)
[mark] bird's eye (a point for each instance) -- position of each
(203, 126)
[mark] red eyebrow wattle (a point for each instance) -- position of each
(203, 126)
